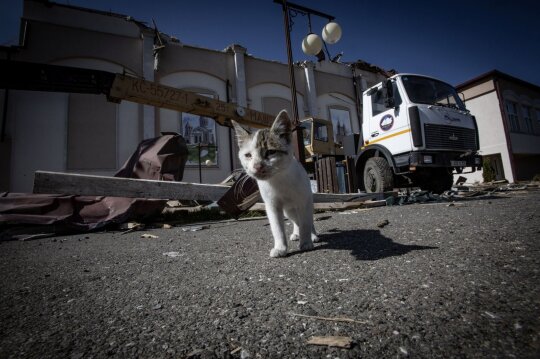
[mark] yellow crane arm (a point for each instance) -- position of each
(150, 93)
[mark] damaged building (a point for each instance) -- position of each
(507, 110)
(85, 133)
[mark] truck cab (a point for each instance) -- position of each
(319, 138)
(415, 131)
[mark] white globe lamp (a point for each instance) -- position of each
(312, 44)
(331, 33)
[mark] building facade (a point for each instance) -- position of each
(82, 133)
(507, 110)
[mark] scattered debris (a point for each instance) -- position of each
(461, 180)
(244, 354)
(162, 225)
(490, 315)
(332, 341)
(172, 254)
(331, 319)
(132, 225)
(403, 351)
(373, 203)
(236, 350)
(459, 191)
(149, 236)
(383, 223)
(301, 302)
(194, 228)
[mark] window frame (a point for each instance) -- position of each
(513, 118)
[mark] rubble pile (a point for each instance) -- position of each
(460, 192)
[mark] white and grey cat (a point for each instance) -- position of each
(266, 156)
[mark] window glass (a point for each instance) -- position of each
(320, 132)
(527, 118)
(341, 122)
(432, 92)
(377, 103)
(511, 111)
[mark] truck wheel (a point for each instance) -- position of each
(437, 180)
(378, 176)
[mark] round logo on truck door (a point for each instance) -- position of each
(387, 122)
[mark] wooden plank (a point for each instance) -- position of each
(89, 185)
(151, 93)
(333, 174)
(346, 197)
(326, 206)
(351, 176)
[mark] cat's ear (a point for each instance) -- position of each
(242, 134)
(282, 126)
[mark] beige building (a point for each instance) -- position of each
(72, 132)
(507, 110)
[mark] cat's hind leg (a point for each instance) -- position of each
(303, 225)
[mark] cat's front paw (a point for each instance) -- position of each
(315, 238)
(294, 237)
(278, 252)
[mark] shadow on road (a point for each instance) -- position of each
(367, 245)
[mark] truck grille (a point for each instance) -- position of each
(450, 137)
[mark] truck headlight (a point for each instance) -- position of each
(428, 159)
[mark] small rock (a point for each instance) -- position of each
(383, 223)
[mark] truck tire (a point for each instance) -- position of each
(437, 180)
(378, 176)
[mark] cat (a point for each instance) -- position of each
(266, 156)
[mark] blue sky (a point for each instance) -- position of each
(451, 40)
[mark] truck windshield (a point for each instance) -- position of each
(433, 92)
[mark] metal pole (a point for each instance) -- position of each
(4, 116)
(299, 146)
(200, 169)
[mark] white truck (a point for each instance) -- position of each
(416, 131)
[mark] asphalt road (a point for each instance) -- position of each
(438, 281)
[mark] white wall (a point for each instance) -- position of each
(491, 131)
(258, 92)
(170, 121)
(37, 122)
(128, 119)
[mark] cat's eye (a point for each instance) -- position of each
(270, 152)
(247, 155)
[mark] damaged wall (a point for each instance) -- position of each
(87, 134)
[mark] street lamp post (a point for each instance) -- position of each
(311, 45)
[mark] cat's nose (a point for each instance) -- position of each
(258, 167)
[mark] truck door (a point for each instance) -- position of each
(388, 126)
